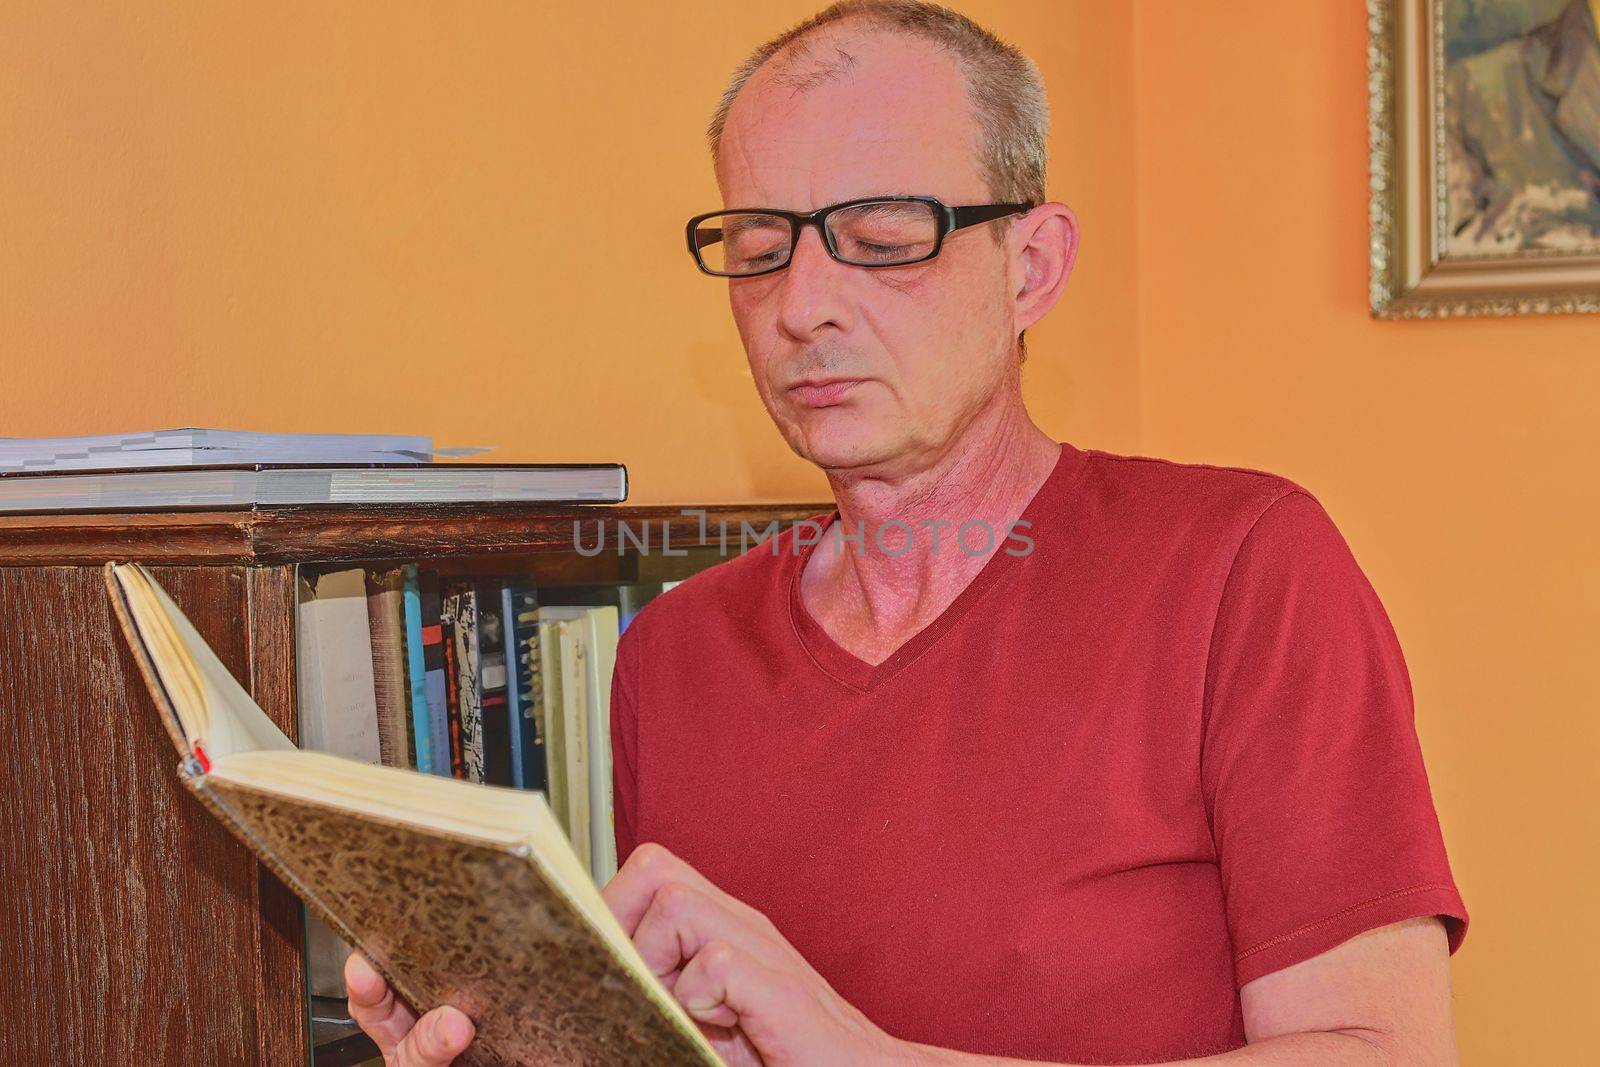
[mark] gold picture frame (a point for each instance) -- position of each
(1415, 272)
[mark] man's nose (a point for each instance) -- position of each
(811, 289)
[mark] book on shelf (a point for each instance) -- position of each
(192, 445)
(338, 714)
(441, 760)
(526, 689)
(386, 623)
(254, 485)
(551, 713)
(461, 617)
(416, 669)
(594, 631)
(572, 723)
(449, 609)
(493, 695)
(333, 667)
(459, 892)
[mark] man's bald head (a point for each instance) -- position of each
(1002, 85)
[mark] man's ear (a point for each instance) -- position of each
(1045, 246)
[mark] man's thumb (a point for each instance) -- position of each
(437, 1039)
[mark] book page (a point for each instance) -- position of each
(222, 716)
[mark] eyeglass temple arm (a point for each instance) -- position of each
(961, 217)
(700, 236)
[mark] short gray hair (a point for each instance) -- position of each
(1003, 84)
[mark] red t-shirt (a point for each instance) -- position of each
(1165, 752)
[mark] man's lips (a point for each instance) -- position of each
(822, 392)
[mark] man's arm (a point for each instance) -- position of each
(1382, 998)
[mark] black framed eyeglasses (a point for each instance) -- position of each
(877, 231)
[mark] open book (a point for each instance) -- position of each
(461, 894)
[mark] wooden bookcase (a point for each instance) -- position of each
(133, 928)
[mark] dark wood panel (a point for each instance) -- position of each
(127, 913)
(285, 535)
(281, 976)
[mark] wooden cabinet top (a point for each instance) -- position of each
(338, 533)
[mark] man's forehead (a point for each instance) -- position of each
(852, 115)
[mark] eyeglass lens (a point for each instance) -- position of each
(875, 234)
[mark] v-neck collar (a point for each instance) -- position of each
(849, 670)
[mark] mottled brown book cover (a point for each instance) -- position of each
(449, 920)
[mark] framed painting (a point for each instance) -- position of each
(1484, 130)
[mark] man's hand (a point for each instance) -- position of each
(751, 991)
(405, 1041)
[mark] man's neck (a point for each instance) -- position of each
(992, 470)
(910, 561)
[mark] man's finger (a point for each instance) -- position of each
(632, 890)
(373, 1005)
(673, 927)
(647, 868)
(725, 986)
(437, 1039)
(681, 919)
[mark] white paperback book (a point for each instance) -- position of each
(338, 715)
(595, 628)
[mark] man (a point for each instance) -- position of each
(1523, 144)
(1025, 752)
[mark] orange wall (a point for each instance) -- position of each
(346, 217)
(464, 221)
(1458, 457)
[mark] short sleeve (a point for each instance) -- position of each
(1323, 822)
(624, 746)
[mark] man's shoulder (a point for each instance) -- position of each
(1193, 518)
(1169, 491)
(1191, 525)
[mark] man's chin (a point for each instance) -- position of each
(845, 447)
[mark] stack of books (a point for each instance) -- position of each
(201, 468)
(194, 446)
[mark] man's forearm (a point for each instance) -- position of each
(1327, 1049)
